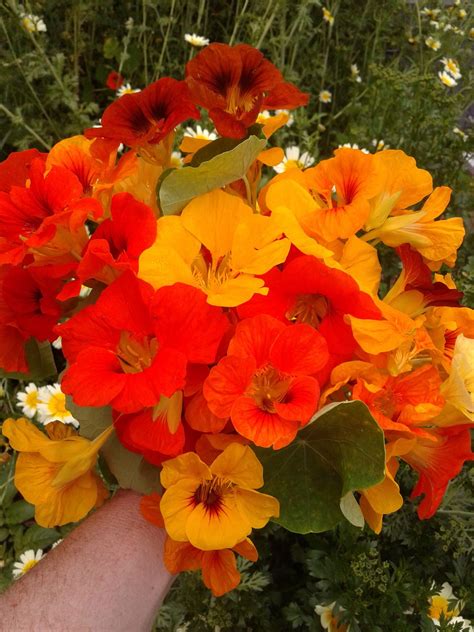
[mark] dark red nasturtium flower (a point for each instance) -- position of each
(148, 116)
(234, 83)
(114, 80)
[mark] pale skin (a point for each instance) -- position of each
(108, 574)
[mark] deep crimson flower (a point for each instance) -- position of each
(265, 384)
(147, 116)
(132, 347)
(114, 80)
(118, 242)
(235, 83)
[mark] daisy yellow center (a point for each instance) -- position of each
(309, 309)
(31, 399)
(28, 566)
(294, 164)
(135, 355)
(28, 24)
(268, 387)
(57, 405)
(440, 604)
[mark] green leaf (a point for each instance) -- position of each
(40, 359)
(180, 186)
(18, 512)
(130, 469)
(37, 537)
(340, 451)
(4, 533)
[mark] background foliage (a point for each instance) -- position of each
(52, 85)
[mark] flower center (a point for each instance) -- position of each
(309, 309)
(135, 355)
(267, 387)
(212, 274)
(211, 493)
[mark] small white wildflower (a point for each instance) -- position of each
(58, 343)
(126, 88)
(435, 24)
(129, 24)
(355, 73)
(329, 620)
(30, 22)
(325, 96)
(451, 66)
(433, 43)
(447, 27)
(459, 132)
(294, 159)
(328, 16)
(28, 400)
(196, 40)
(28, 559)
(430, 13)
(353, 146)
(176, 159)
(447, 79)
(462, 13)
(52, 406)
(200, 132)
(379, 144)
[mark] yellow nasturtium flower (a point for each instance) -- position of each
(56, 474)
(215, 507)
(218, 245)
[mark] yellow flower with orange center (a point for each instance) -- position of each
(55, 472)
(217, 244)
(215, 507)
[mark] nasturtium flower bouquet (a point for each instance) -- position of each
(231, 358)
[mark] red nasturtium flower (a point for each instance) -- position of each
(265, 384)
(14, 171)
(47, 217)
(136, 343)
(235, 83)
(308, 291)
(114, 80)
(118, 242)
(148, 116)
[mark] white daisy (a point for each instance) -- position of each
(294, 159)
(447, 79)
(459, 132)
(126, 88)
(200, 132)
(28, 559)
(176, 159)
(52, 406)
(434, 24)
(354, 146)
(28, 400)
(451, 66)
(379, 144)
(196, 40)
(30, 22)
(355, 73)
(462, 13)
(433, 43)
(325, 96)
(430, 13)
(328, 16)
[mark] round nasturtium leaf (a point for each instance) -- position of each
(341, 450)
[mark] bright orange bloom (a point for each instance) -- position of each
(402, 184)
(56, 474)
(219, 570)
(235, 83)
(217, 244)
(215, 507)
(265, 383)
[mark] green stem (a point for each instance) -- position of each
(15, 119)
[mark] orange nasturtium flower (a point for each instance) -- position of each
(215, 507)
(56, 474)
(217, 244)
